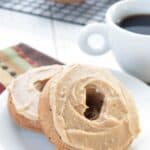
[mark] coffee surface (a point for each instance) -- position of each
(137, 23)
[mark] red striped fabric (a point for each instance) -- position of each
(2, 88)
(25, 57)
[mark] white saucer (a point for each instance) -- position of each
(13, 137)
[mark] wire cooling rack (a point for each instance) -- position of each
(91, 10)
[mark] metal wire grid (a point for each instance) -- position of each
(91, 10)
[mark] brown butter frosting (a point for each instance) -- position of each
(26, 89)
(116, 124)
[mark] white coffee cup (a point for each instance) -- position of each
(131, 50)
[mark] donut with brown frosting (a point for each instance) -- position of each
(24, 93)
(87, 108)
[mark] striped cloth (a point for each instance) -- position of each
(18, 59)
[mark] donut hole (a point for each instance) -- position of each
(94, 101)
(39, 85)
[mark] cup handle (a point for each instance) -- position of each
(89, 30)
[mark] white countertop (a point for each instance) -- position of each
(54, 38)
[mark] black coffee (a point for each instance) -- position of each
(137, 23)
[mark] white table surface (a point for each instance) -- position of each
(54, 38)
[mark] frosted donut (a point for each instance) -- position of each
(89, 109)
(24, 94)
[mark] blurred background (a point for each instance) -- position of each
(52, 26)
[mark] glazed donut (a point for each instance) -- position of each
(87, 108)
(24, 93)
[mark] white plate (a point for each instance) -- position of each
(14, 138)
